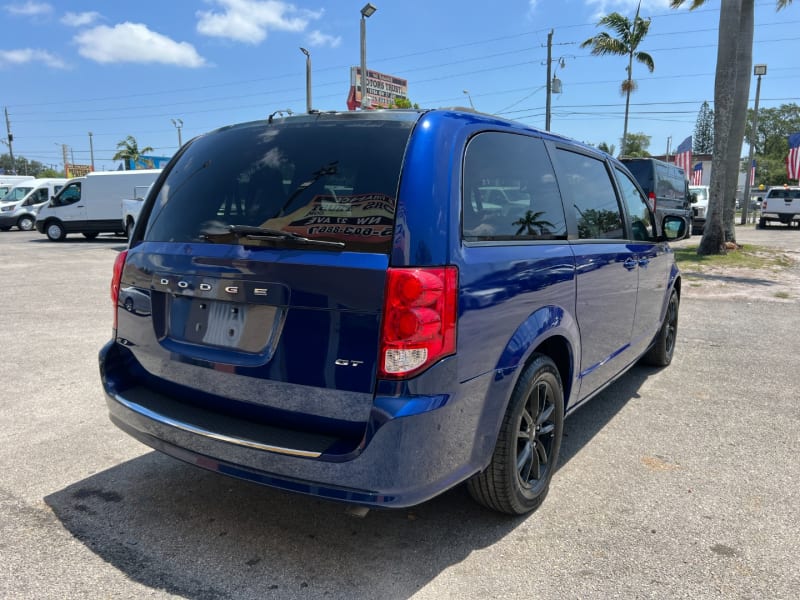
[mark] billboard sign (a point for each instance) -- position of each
(382, 89)
(149, 162)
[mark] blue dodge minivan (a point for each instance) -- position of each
(376, 306)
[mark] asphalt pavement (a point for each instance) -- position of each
(675, 483)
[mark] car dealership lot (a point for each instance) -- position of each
(680, 482)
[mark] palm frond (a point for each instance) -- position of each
(645, 59)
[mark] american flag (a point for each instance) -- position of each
(793, 160)
(683, 156)
(753, 173)
(697, 174)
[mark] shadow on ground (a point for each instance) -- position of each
(174, 527)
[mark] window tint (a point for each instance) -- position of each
(784, 193)
(597, 211)
(510, 190)
(332, 180)
(639, 217)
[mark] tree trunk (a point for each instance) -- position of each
(744, 65)
(713, 240)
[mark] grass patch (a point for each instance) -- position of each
(783, 295)
(749, 257)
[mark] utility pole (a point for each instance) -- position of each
(10, 146)
(669, 145)
(66, 164)
(549, 85)
(91, 149)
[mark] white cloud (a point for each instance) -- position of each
(29, 9)
(627, 8)
(80, 19)
(249, 21)
(30, 55)
(317, 38)
(135, 43)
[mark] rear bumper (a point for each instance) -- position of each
(415, 446)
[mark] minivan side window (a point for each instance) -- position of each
(640, 218)
(509, 190)
(597, 211)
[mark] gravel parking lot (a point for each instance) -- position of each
(682, 482)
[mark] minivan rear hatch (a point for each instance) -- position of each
(256, 287)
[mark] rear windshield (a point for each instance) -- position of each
(332, 180)
(784, 193)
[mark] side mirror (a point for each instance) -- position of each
(693, 197)
(674, 227)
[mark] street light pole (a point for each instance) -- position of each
(308, 79)
(758, 71)
(368, 10)
(178, 123)
(472, 106)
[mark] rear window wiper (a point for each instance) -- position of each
(264, 233)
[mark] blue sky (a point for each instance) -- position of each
(129, 68)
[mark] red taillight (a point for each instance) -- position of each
(652, 197)
(419, 319)
(116, 277)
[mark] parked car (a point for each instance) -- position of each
(699, 199)
(382, 344)
(22, 203)
(665, 185)
(92, 205)
(9, 181)
(782, 205)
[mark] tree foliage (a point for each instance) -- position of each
(703, 138)
(629, 34)
(638, 144)
(128, 150)
(771, 142)
(23, 166)
(606, 148)
(401, 102)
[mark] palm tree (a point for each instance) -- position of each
(629, 35)
(128, 150)
(731, 94)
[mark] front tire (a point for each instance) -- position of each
(55, 231)
(25, 223)
(660, 355)
(525, 457)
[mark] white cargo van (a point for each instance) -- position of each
(92, 204)
(20, 205)
(9, 181)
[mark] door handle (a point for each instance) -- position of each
(629, 264)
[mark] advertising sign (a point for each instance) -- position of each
(149, 162)
(382, 89)
(78, 170)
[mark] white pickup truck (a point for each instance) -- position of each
(131, 207)
(781, 204)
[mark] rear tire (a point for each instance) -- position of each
(660, 355)
(55, 231)
(526, 454)
(25, 223)
(129, 230)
